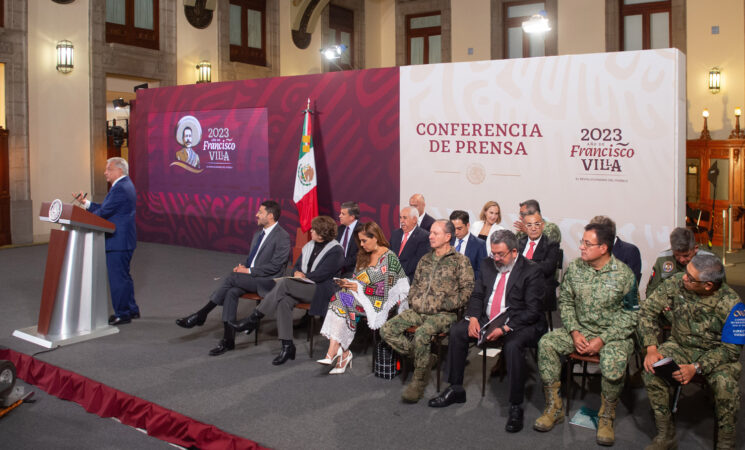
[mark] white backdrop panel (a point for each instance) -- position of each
(583, 134)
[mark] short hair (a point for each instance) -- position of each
(461, 215)
(325, 226)
(412, 212)
(605, 220)
(710, 268)
(505, 237)
(531, 205)
(486, 207)
(682, 240)
(371, 230)
(448, 225)
(603, 233)
(353, 209)
(120, 163)
(272, 208)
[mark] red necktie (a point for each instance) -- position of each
(496, 303)
(530, 250)
(403, 242)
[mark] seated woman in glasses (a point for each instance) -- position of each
(379, 284)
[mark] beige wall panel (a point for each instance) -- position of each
(292, 60)
(581, 26)
(471, 29)
(194, 45)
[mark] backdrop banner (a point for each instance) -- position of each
(583, 134)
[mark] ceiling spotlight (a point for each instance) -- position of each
(538, 23)
(119, 103)
(333, 52)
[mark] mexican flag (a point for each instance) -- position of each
(305, 196)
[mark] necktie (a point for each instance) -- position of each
(530, 250)
(254, 250)
(457, 247)
(345, 240)
(496, 303)
(403, 242)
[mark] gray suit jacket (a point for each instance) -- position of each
(272, 258)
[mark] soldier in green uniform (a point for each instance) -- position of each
(442, 284)
(701, 305)
(683, 248)
(528, 208)
(599, 303)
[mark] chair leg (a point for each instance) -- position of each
(375, 348)
(584, 378)
(569, 382)
(438, 348)
(483, 371)
(311, 332)
(256, 335)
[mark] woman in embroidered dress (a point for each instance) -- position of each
(379, 285)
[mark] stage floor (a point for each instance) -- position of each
(296, 405)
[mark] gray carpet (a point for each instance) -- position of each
(296, 405)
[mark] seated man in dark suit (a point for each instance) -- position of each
(409, 242)
(544, 252)
(267, 259)
(320, 261)
(425, 221)
(508, 282)
(465, 243)
(349, 215)
(626, 252)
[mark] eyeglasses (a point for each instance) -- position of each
(690, 278)
(501, 255)
(534, 225)
(587, 244)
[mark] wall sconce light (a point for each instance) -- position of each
(204, 72)
(715, 80)
(333, 52)
(119, 103)
(705, 132)
(65, 53)
(538, 23)
(737, 133)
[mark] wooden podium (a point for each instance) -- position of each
(75, 297)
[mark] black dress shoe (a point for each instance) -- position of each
(118, 320)
(287, 352)
(248, 324)
(222, 347)
(190, 321)
(134, 315)
(515, 421)
(447, 398)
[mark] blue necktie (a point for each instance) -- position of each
(457, 247)
(255, 250)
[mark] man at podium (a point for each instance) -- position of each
(119, 208)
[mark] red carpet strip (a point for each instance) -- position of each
(105, 401)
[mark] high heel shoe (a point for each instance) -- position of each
(330, 360)
(345, 362)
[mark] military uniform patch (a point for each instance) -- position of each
(668, 266)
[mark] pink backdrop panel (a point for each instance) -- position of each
(356, 140)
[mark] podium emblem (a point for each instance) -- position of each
(55, 210)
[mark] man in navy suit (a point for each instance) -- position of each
(511, 284)
(466, 243)
(409, 242)
(625, 252)
(349, 215)
(267, 259)
(424, 221)
(118, 207)
(543, 251)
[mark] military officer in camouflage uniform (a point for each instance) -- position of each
(599, 303)
(442, 284)
(683, 248)
(700, 304)
(528, 208)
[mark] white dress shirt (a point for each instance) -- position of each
(527, 245)
(267, 230)
(503, 305)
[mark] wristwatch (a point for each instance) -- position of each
(697, 366)
(504, 331)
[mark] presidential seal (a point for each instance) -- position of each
(476, 173)
(55, 210)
